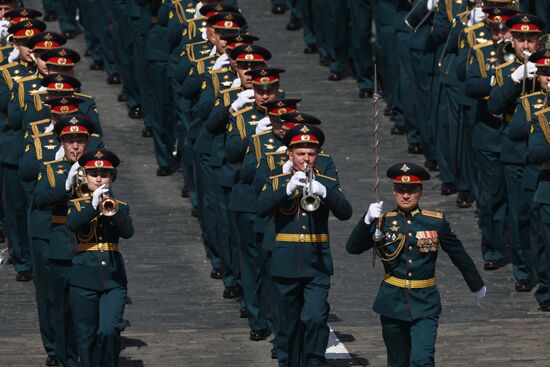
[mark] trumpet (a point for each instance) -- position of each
(81, 187)
(418, 15)
(309, 201)
(108, 206)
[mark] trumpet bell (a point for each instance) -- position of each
(310, 203)
(108, 207)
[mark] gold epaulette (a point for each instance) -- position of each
(390, 214)
(327, 177)
(41, 135)
(5, 46)
(77, 201)
(95, 135)
(257, 145)
(222, 70)
(323, 155)
(83, 95)
(275, 180)
(527, 106)
(500, 66)
(227, 96)
(241, 111)
(482, 45)
(38, 92)
(49, 172)
(531, 94)
(34, 125)
(279, 175)
(543, 111)
(498, 72)
(431, 213)
(55, 161)
(6, 74)
(26, 78)
(481, 57)
(192, 26)
(274, 153)
(473, 27)
(7, 66)
(38, 122)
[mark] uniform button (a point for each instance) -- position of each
(410, 248)
(304, 227)
(410, 275)
(103, 263)
(408, 221)
(410, 234)
(410, 261)
(100, 238)
(303, 214)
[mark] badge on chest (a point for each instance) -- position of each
(427, 241)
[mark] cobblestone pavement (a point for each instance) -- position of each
(178, 316)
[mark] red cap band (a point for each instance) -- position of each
(60, 86)
(99, 163)
(525, 28)
(63, 61)
(250, 57)
(265, 79)
(304, 139)
(277, 111)
(64, 109)
(19, 19)
(74, 129)
(226, 24)
(498, 18)
(47, 45)
(24, 33)
(405, 179)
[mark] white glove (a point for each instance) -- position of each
(282, 148)
(287, 166)
(14, 55)
(60, 153)
(213, 51)
(198, 10)
(244, 97)
(477, 15)
(297, 180)
(318, 189)
(203, 35)
(4, 25)
(479, 295)
(432, 4)
(49, 129)
(518, 75)
(263, 125)
(236, 83)
(221, 62)
(69, 182)
(374, 212)
(98, 193)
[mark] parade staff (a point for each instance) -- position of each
(408, 300)
(299, 256)
(98, 278)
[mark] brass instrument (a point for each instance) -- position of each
(81, 187)
(108, 206)
(505, 51)
(524, 81)
(309, 201)
(418, 15)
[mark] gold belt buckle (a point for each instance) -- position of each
(407, 283)
(100, 246)
(302, 237)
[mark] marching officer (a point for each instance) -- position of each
(299, 253)
(98, 279)
(408, 244)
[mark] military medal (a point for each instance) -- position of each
(427, 241)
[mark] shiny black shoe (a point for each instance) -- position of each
(52, 361)
(135, 113)
(294, 24)
(273, 353)
(415, 149)
(397, 130)
(113, 79)
(121, 97)
(165, 171)
(232, 292)
(523, 286)
(463, 199)
(431, 165)
(24, 276)
(310, 49)
(259, 335)
(278, 9)
(335, 77)
(243, 313)
(448, 189)
(366, 93)
(146, 132)
(491, 265)
(97, 65)
(50, 16)
(545, 306)
(216, 273)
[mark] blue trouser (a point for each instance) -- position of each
(98, 324)
(410, 343)
(518, 221)
(492, 204)
(301, 323)
(15, 202)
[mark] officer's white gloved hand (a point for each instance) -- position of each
(297, 180)
(69, 182)
(282, 148)
(477, 15)
(374, 212)
(60, 154)
(49, 129)
(479, 295)
(518, 75)
(197, 10)
(318, 189)
(4, 25)
(14, 55)
(236, 83)
(432, 4)
(98, 193)
(244, 98)
(222, 61)
(287, 166)
(263, 125)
